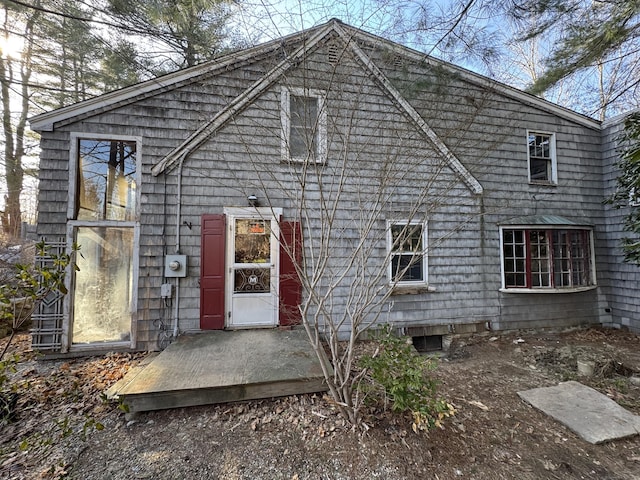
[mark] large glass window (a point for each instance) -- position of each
(407, 253)
(103, 285)
(104, 222)
(547, 258)
(106, 180)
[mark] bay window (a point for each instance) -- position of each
(547, 258)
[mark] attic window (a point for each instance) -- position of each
(304, 126)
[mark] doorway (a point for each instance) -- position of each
(252, 276)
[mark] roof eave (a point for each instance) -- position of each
(483, 81)
(45, 122)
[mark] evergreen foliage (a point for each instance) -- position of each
(627, 194)
(592, 30)
(181, 33)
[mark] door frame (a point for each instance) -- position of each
(261, 213)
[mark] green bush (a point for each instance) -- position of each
(400, 376)
(8, 396)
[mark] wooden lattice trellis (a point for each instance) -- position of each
(46, 321)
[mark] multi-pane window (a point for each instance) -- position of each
(408, 259)
(303, 126)
(547, 258)
(515, 258)
(542, 158)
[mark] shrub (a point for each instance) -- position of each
(400, 376)
(30, 285)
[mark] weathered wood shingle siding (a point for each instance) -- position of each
(53, 193)
(244, 158)
(622, 279)
(163, 120)
(485, 130)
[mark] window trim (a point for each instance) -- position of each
(72, 224)
(285, 117)
(592, 261)
(553, 157)
(390, 254)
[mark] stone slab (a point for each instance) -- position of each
(593, 416)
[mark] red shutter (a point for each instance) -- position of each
(290, 285)
(212, 272)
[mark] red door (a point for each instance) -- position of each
(212, 272)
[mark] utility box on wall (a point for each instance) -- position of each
(175, 266)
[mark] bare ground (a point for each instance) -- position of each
(65, 430)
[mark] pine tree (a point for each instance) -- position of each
(594, 33)
(180, 33)
(627, 194)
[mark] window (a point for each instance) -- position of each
(103, 212)
(547, 258)
(106, 180)
(407, 251)
(542, 158)
(304, 126)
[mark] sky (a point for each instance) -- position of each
(419, 24)
(275, 18)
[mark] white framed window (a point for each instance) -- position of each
(103, 220)
(541, 154)
(407, 248)
(304, 125)
(547, 259)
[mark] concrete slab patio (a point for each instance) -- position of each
(223, 366)
(593, 416)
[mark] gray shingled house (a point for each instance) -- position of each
(198, 198)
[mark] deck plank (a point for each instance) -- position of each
(224, 366)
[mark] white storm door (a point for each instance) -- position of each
(252, 284)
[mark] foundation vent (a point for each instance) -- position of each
(427, 343)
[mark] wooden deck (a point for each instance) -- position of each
(220, 367)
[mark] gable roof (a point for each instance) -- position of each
(306, 41)
(201, 135)
(47, 121)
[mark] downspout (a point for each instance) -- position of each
(176, 319)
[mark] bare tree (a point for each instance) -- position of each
(373, 188)
(16, 71)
